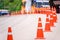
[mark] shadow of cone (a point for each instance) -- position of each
(9, 36)
(40, 34)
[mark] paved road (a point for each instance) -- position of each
(24, 27)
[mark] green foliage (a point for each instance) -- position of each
(1, 4)
(15, 5)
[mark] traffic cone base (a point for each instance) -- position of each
(10, 37)
(40, 34)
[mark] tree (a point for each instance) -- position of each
(12, 5)
(16, 5)
(1, 4)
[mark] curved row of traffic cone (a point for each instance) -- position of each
(50, 22)
(35, 10)
(40, 32)
(53, 17)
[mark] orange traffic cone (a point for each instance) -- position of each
(47, 19)
(47, 25)
(54, 9)
(53, 19)
(24, 12)
(40, 34)
(35, 12)
(39, 22)
(47, 15)
(52, 22)
(9, 37)
(42, 12)
(19, 12)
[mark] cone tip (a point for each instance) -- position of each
(9, 26)
(39, 19)
(9, 29)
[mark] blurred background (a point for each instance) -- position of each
(16, 5)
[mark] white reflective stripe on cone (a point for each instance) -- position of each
(40, 28)
(39, 22)
(54, 15)
(47, 22)
(9, 33)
